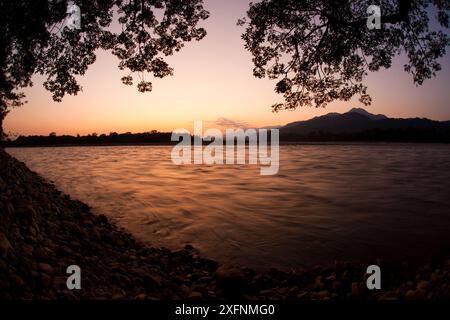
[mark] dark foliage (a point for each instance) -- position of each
(321, 50)
(34, 38)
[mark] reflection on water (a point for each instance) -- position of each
(328, 202)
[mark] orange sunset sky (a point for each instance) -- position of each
(212, 80)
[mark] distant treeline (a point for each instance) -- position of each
(92, 139)
(154, 137)
(373, 135)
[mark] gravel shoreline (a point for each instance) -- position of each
(43, 231)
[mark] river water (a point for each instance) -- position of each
(328, 202)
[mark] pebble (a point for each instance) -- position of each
(41, 254)
(45, 267)
(423, 285)
(17, 281)
(5, 245)
(194, 295)
(356, 289)
(435, 277)
(46, 280)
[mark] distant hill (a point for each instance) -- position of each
(361, 125)
(368, 114)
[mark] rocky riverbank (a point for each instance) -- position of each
(43, 231)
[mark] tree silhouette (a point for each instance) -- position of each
(321, 50)
(34, 38)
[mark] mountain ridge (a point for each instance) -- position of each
(358, 123)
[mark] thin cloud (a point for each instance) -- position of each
(230, 123)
